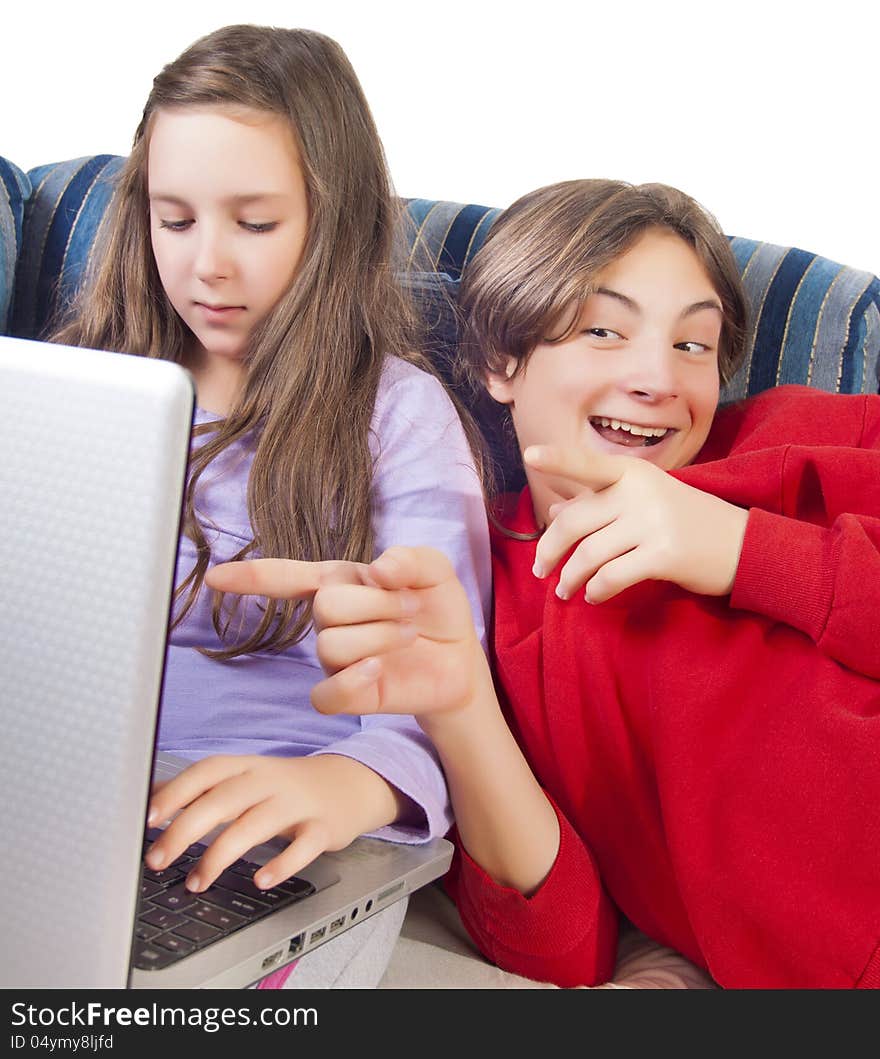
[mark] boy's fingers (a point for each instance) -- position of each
(591, 555)
(344, 645)
(597, 470)
(400, 567)
(281, 578)
(356, 604)
(355, 689)
(615, 576)
(575, 521)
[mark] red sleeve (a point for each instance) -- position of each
(816, 565)
(565, 933)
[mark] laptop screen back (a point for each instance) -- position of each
(93, 451)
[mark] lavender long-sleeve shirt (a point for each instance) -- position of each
(425, 492)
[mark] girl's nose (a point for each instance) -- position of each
(212, 261)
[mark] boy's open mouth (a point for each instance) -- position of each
(629, 434)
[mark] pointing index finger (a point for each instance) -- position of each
(280, 578)
(596, 470)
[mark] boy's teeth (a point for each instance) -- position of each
(631, 428)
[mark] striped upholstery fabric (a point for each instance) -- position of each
(66, 205)
(15, 188)
(814, 321)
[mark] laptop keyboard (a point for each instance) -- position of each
(172, 922)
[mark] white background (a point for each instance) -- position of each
(767, 112)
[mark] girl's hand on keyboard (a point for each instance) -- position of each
(321, 802)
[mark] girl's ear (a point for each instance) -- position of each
(500, 384)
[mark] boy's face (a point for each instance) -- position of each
(638, 375)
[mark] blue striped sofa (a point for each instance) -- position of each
(814, 321)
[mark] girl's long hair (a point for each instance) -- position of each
(313, 365)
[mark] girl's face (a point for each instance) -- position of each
(228, 218)
(639, 373)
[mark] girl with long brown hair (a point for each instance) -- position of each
(684, 721)
(251, 239)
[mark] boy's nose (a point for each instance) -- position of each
(654, 377)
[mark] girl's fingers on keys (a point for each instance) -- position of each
(257, 825)
(310, 842)
(194, 781)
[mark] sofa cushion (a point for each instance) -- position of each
(15, 188)
(67, 203)
(813, 321)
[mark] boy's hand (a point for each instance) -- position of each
(635, 523)
(396, 636)
(320, 803)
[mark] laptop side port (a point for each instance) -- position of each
(337, 923)
(273, 959)
(316, 935)
(296, 944)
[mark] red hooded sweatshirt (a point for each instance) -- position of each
(714, 762)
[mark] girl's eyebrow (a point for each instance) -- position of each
(237, 200)
(634, 307)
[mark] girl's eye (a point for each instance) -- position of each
(603, 332)
(266, 226)
(693, 347)
(175, 226)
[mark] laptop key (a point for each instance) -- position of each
(144, 931)
(297, 887)
(233, 902)
(245, 868)
(149, 889)
(217, 917)
(167, 875)
(176, 899)
(240, 885)
(171, 942)
(161, 918)
(148, 958)
(182, 860)
(198, 933)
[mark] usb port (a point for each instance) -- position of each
(270, 961)
(337, 923)
(317, 934)
(296, 943)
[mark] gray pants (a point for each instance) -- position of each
(356, 959)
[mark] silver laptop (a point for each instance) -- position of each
(93, 452)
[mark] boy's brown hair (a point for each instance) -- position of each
(542, 255)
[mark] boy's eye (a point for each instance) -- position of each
(265, 226)
(692, 347)
(603, 332)
(175, 226)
